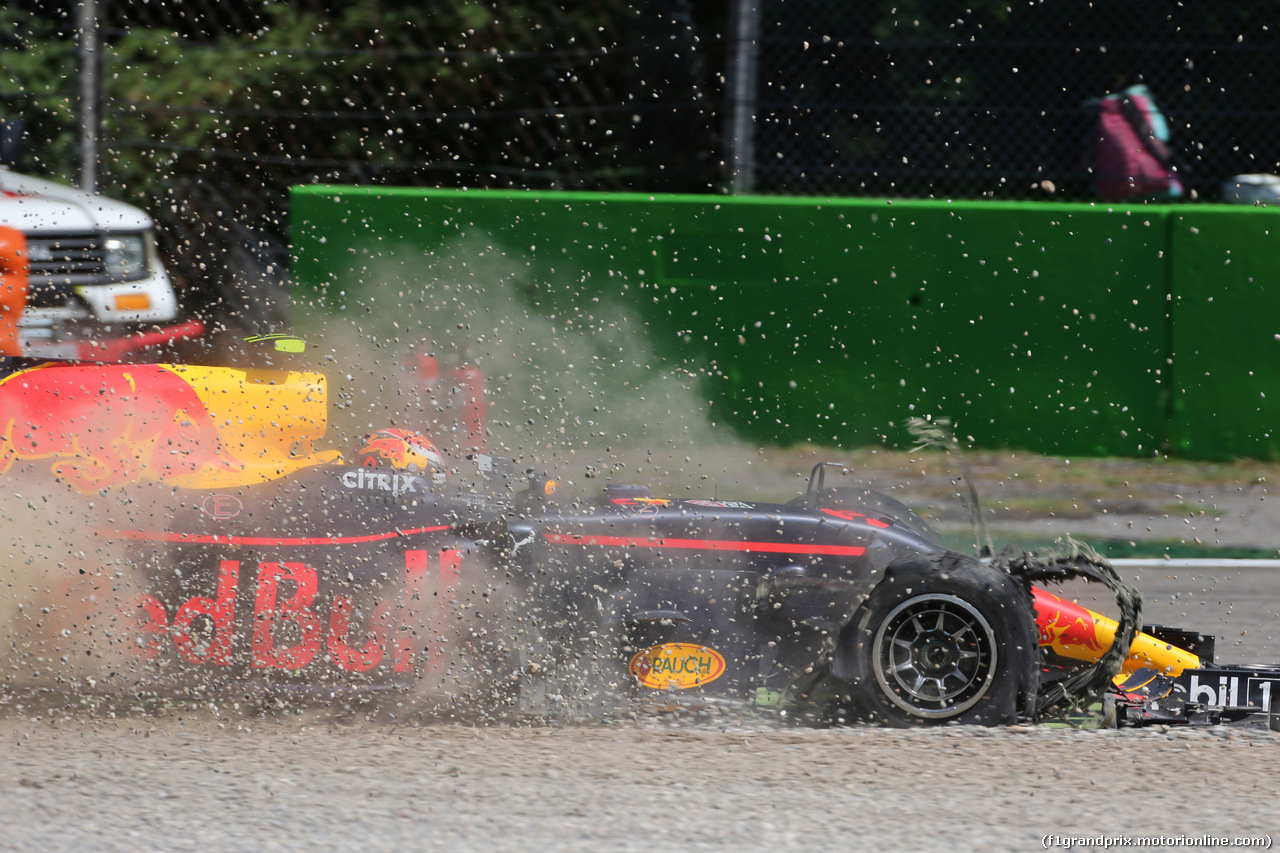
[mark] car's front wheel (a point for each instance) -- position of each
(942, 638)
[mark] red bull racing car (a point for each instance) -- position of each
(223, 550)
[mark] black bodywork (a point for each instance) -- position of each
(839, 605)
(763, 585)
(339, 579)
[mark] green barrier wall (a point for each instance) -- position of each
(1048, 327)
(1225, 351)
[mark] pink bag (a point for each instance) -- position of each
(1130, 159)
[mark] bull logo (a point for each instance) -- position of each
(1069, 629)
(106, 425)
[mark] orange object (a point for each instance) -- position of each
(132, 301)
(468, 396)
(460, 418)
(14, 266)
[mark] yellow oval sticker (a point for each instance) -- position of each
(678, 665)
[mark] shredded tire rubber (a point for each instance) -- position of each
(1089, 682)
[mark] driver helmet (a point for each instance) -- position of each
(403, 450)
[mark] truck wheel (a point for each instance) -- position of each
(943, 638)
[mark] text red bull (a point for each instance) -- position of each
(293, 629)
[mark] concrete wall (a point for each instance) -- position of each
(1066, 329)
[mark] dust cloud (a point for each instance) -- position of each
(67, 589)
(577, 394)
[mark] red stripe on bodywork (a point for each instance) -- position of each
(216, 539)
(707, 544)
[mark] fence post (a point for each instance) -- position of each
(88, 85)
(742, 109)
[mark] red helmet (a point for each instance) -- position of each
(404, 450)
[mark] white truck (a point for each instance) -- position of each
(96, 285)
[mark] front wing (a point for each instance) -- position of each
(1210, 695)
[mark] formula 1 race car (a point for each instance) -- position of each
(220, 550)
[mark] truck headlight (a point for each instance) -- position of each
(126, 257)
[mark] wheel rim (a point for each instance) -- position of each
(935, 656)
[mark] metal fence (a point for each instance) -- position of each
(989, 99)
(210, 110)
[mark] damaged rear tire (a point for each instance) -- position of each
(943, 638)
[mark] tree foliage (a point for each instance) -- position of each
(462, 93)
(37, 85)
